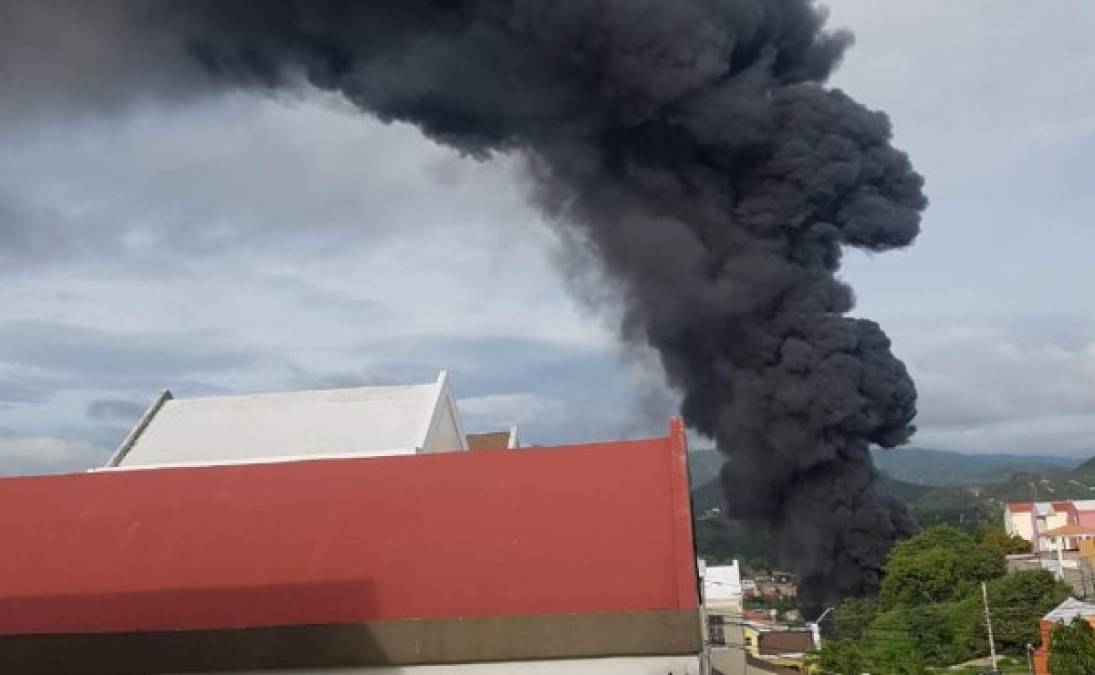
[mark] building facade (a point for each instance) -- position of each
(1046, 524)
(549, 560)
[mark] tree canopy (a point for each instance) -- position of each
(1017, 597)
(929, 612)
(1072, 649)
(939, 564)
(996, 538)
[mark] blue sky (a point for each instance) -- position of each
(234, 243)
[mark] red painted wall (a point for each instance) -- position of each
(1041, 655)
(593, 528)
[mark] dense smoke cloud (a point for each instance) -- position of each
(694, 149)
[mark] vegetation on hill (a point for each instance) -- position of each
(929, 611)
(704, 465)
(923, 466)
(969, 507)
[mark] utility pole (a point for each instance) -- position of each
(815, 628)
(988, 624)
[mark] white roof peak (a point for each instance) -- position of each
(1071, 609)
(351, 421)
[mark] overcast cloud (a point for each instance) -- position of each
(233, 243)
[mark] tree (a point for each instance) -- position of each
(840, 657)
(940, 564)
(851, 617)
(892, 646)
(1017, 601)
(997, 539)
(1072, 649)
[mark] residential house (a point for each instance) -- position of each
(1040, 523)
(748, 587)
(771, 588)
(1068, 611)
(1065, 538)
(776, 648)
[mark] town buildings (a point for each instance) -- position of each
(776, 649)
(277, 533)
(744, 642)
(1051, 526)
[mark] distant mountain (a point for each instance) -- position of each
(968, 506)
(977, 504)
(704, 465)
(923, 466)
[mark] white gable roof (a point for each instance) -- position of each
(1070, 609)
(296, 425)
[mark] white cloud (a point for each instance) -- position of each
(989, 389)
(518, 408)
(45, 454)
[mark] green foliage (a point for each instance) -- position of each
(930, 612)
(941, 563)
(1017, 601)
(1072, 649)
(851, 617)
(997, 539)
(720, 540)
(840, 657)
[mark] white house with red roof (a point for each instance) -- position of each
(218, 556)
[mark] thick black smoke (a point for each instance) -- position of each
(695, 148)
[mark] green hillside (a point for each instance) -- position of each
(924, 466)
(965, 506)
(704, 465)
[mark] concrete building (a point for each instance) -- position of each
(722, 600)
(354, 422)
(574, 559)
(776, 649)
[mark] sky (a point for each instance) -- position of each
(237, 243)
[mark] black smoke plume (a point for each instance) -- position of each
(695, 149)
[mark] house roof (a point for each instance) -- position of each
(1070, 609)
(1020, 507)
(352, 421)
(493, 440)
(600, 530)
(774, 642)
(1043, 508)
(1069, 530)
